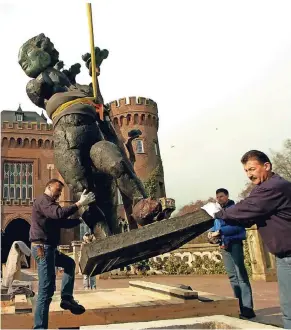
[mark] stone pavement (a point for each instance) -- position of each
(266, 297)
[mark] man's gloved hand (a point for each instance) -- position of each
(211, 208)
(86, 199)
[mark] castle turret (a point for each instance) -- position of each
(139, 113)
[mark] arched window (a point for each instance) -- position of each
(18, 143)
(142, 119)
(150, 120)
(12, 143)
(33, 143)
(47, 144)
(4, 142)
(135, 119)
(115, 121)
(26, 143)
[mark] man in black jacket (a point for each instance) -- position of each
(269, 207)
(46, 222)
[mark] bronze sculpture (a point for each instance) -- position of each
(88, 152)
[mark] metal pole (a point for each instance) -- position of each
(93, 62)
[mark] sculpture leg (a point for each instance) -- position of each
(108, 159)
(105, 190)
(74, 165)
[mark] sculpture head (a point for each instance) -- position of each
(36, 55)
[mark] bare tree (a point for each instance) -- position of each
(281, 165)
(246, 191)
(194, 206)
(282, 161)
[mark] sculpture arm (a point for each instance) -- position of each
(34, 90)
(41, 89)
(100, 55)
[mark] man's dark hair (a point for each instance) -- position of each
(51, 181)
(257, 155)
(222, 190)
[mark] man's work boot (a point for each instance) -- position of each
(247, 313)
(72, 305)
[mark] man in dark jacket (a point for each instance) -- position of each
(46, 222)
(269, 207)
(230, 241)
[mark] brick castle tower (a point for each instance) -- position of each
(141, 113)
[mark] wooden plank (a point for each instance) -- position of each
(157, 298)
(188, 308)
(165, 289)
(22, 305)
(206, 296)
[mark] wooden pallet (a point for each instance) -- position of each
(141, 301)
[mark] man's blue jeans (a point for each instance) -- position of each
(89, 282)
(47, 281)
(233, 258)
(284, 282)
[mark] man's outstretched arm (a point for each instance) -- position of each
(260, 204)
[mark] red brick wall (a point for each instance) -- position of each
(139, 113)
(33, 143)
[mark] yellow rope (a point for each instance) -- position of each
(84, 100)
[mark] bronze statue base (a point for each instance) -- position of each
(139, 244)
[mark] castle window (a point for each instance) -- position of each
(83, 229)
(119, 198)
(19, 117)
(18, 180)
(139, 147)
(156, 148)
(161, 188)
(142, 119)
(135, 119)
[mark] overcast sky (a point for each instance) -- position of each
(220, 72)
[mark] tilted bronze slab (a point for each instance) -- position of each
(143, 243)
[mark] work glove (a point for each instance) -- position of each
(211, 208)
(87, 199)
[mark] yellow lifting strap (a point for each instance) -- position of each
(84, 100)
(93, 61)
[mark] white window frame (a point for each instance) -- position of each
(119, 198)
(15, 181)
(139, 147)
(156, 148)
(19, 117)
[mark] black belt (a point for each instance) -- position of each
(37, 242)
